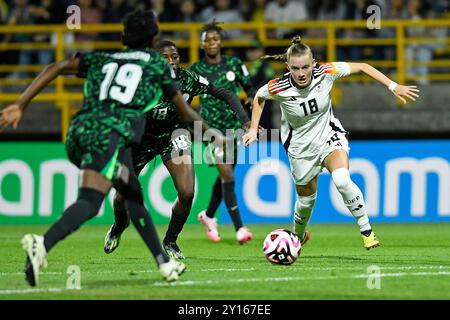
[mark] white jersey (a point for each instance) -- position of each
(307, 119)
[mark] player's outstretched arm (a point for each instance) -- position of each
(400, 91)
(12, 114)
(231, 100)
(252, 133)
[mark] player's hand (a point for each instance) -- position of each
(248, 104)
(246, 126)
(10, 116)
(403, 92)
(250, 136)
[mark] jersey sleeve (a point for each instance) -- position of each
(200, 84)
(264, 93)
(85, 63)
(336, 69)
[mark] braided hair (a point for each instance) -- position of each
(212, 26)
(140, 27)
(297, 48)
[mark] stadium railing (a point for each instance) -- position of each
(63, 96)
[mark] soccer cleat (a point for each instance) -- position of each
(243, 235)
(36, 257)
(210, 225)
(305, 238)
(172, 250)
(171, 270)
(112, 241)
(370, 241)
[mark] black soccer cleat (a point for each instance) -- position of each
(172, 250)
(112, 240)
(29, 273)
(36, 257)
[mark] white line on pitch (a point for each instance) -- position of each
(35, 290)
(278, 279)
(403, 274)
(296, 268)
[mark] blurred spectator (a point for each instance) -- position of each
(285, 11)
(45, 12)
(90, 13)
(396, 10)
(19, 15)
(417, 51)
(188, 10)
(356, 10)
(162, 9)
(187, 14)
(115, 11)
(330, 10)
(3, 12)
(164, 12)
(438, 8)
(222, 11)
(261, 72)
(257, 12)
(326, 10)
(5, 56)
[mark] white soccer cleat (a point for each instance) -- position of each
(172, 269)
(210, 225)
(36, 257)
(243, 235)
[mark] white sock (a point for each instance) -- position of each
(352, 196)
(302, 213)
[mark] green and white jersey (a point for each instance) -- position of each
(164, 119)
(119, 88)
(230, 74)
(164, 116)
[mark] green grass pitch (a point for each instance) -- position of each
(413, 259)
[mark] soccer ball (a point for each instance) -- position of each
(282, 247)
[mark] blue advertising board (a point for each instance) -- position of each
(402, 181)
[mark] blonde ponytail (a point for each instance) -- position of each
(297, 48)
(296, 40)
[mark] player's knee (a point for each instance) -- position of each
(186, 194)
(227, 176)
(341, 179)
(128, 185)
(92, 199)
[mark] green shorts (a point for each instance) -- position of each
(96, 144)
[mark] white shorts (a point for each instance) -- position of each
(305, 169)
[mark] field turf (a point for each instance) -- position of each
(414, 262)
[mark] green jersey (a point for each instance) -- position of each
(164, 116)
(164, 119)
(229, 74)
(119, 88)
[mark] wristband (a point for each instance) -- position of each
(392, 86)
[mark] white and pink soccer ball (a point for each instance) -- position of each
(282, 246)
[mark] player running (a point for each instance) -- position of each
(119, 88)
(312, 136)
(161, 138)
(230, 73)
